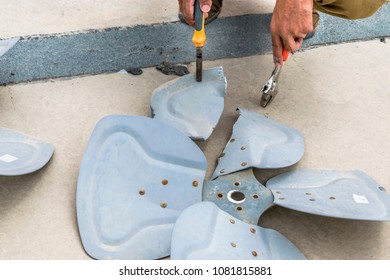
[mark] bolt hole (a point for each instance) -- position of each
(244, 164)
(195, 184)
(237, 184)
(332, 198)
(164, 182)
(232, 140)
(254, 253)
(255, 196)
(141, 192)
(253, 230)
(239, 208)
(236, 196)
(312, 199)
(219, 195)
(243, 148)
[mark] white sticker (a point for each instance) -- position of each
(8, 158)
(360, 198)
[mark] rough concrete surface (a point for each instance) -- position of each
(339, 108)
(337, 96)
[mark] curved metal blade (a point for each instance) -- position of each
(259, 142)
(191, 107)
(21, 154)
(240, 195)
(6, 45)
(136, 177)
(341, 194)
(205, 232)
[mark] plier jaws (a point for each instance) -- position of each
(270, 88)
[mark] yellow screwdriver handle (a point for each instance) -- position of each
(199, 38)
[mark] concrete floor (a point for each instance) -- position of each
(337, 96)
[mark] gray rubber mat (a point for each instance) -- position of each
(205, 232)
(259, 142)
(190, 106)
(112, 49)
(341, 194)
(136, 176)
(21, 154)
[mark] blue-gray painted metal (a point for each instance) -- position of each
(259, 142)
(21, 154)
(136, 176)
(341, 194)
(109, 50)
(240, 194)
(190, 106)
(205, 232)
(5, 45)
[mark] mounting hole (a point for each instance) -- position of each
(141, 192)
(232, 140)
(239, 208)
(243, 148)
(220, 195)
(195, 184)
(237, 184)
(244, 163)
(164, 182)
(254, 253)
(312, 199)
(236, 196)
(255, 196)
(332, 198)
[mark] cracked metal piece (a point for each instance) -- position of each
(6, 45)
(20, 154)
(259, 142)
(191, 107)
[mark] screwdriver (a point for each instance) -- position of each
(199, 39)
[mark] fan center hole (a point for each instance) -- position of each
(236, 196)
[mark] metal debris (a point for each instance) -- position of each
(169, 68)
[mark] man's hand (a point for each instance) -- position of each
(291, 21)
(187, 9)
